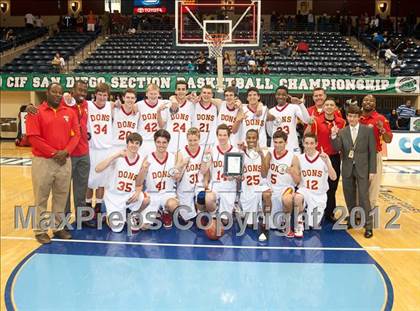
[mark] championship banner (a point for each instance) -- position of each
(266, 84)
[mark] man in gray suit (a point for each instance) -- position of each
(357, 145)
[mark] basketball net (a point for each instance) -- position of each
(215, 43)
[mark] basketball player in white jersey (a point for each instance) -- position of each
(228, 110)
(178, 118)
(221, 189)
(251, 118)
(282, 178)
(100, 143)
(122, 193)
(158, 176)
(315, 167)
(125, 120)
(255, 195)
(148, 122)
(205, 117)
(189, 160)
(285, 116)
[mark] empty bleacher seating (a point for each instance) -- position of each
(39, 58)
(154, 52)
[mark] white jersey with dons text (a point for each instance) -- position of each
(148, 123)
(277, 177)
(158, 179)
(190, 178)
(219, 182)
(205, 119)
(228, 116)
(124, 124)
(252, 173)
(314, 174)
(100, 125)
(252, 121)
(177, 124)
(286, 117)
(123, 175)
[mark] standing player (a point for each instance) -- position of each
(100, 130)
(159, 181)
(122, 193)
(254, 194)
(285, 116)
(205, 117)
(315, 168)
(282, 177)
(148, 122)
(321, 127)
(221, 189)
(189, 164)
(178, 119)
(251, 118)
(228, 110)
(382, 132)
(125, 120)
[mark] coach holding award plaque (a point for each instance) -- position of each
(357, 145)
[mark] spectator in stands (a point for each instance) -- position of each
(80, 22)
(265, 70)
(58, 62)
(311, 20)
(91, 21)
(10, 35)
(190, 67)
(29, 20)
(291, 45)
(241, 60)
(253, 69)
(378, 39)
(358, 71)
(405, 112)
(201, 63)
(39, 23)
(273, 21)
(281, 23)
(393, 120)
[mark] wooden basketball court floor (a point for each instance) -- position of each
(324, 271)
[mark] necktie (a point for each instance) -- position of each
(353, 134)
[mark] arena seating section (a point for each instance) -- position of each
(149, 52)
(410, 57)
(23, 35)
(39, 58)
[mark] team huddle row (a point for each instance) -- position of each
(158, 155)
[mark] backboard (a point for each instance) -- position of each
(238, 20)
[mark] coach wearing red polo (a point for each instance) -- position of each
(382, 132)
(321, 127)
(53, 133)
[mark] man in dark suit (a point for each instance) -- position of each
(357, 145)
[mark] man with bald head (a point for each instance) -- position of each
(54, 133)
(382, 132)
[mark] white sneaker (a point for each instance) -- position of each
(299, 230)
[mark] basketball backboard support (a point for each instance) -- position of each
(238, 20)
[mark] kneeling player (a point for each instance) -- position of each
(254, 193)
(189, 164)
(221, 191)
(315, 168)
(282, 178)
(158, 175)
(122, 192)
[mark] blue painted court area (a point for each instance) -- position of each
(74, 281)
(183, 270)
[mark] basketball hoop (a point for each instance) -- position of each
(215, 43)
